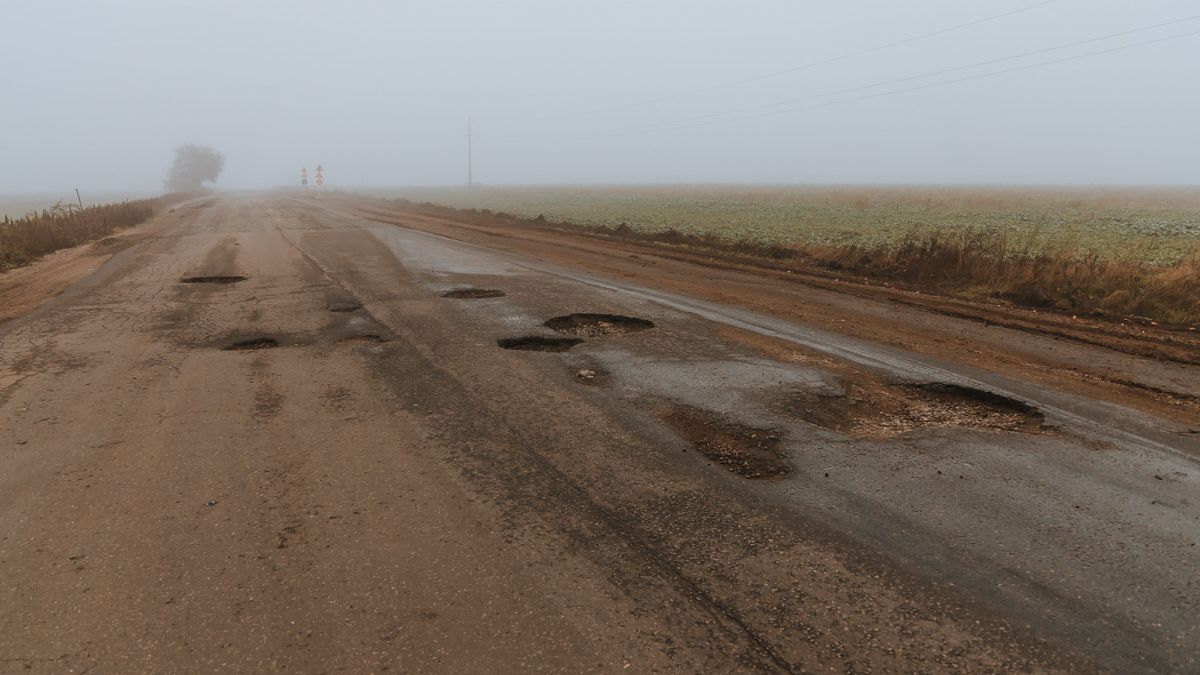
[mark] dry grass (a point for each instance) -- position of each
(25, 239)
(984, 263)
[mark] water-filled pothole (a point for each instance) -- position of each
(251, 344)
(474, 293)
(538, 343)
(344, 306)
(747, 451)
(229, 279)
(593, 325)
(880, 411)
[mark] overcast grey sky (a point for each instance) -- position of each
(97, 93)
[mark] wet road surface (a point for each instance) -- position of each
(306, 457)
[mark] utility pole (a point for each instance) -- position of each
(79, 199)
(470, 155)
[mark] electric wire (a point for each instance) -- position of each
(849, 90)
(925, 86)
(843, 57)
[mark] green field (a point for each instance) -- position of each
(1136, 224)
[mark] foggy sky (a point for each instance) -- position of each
(97, 93)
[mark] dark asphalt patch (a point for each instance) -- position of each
(252, 344)
(538, 343)
(231, 279)
(749, 452)
(593, 325)
(474, 293)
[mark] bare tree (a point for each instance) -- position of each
(194, 166)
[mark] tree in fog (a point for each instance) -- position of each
(194, 166)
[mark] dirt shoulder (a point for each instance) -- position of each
(1142, 367)
(25, 288)
(28, 287)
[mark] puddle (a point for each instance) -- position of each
(474, 293)
(213, 280)
(749, 452)
(538, 343)
(593, 325)
(252, 344)
(431, 254)
(884, 410)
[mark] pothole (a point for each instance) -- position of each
(538, 343)
(362, 339)
(473, 293)
(747, 451)
(231, 279)
(885, 411)
(344, 306)
(982, 397)
(251, 344)
(593, 325)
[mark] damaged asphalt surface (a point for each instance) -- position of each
(275, 435)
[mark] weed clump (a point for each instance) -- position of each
(25, 239)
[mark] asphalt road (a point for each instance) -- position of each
(329, 466)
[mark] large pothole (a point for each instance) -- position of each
(229, 279)
(594, 325)
(747, 451)
(344, 306)
(538, 343)
(252, 344)
(474, 293)
(885, 411)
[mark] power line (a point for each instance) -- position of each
(935, 84)
(714, 116)
(843, 57)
